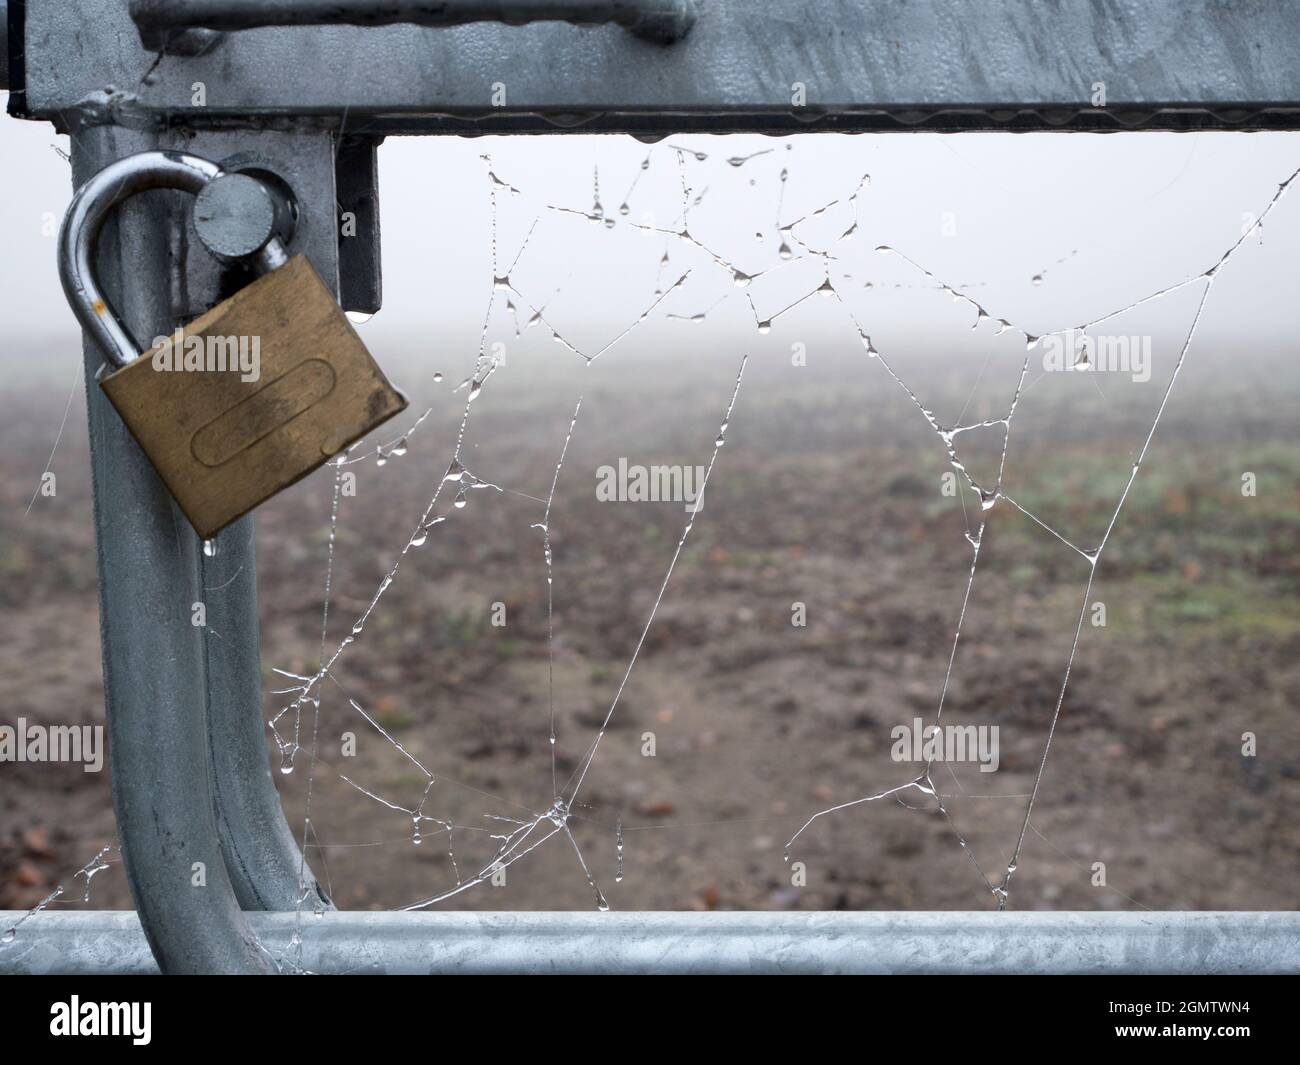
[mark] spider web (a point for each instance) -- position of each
(816, 238)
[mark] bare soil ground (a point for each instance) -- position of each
(826, 493)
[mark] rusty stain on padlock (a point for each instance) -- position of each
(253, 394)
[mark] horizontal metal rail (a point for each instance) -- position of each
(111, 942)
(775, 66)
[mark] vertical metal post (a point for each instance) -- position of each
(261, 855)
(150, 576)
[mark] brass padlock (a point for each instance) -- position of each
(249, 397)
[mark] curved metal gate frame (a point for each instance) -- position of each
(309, 101)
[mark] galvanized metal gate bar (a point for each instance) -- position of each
(609, 943)
(150, 574)
(779, 65)
(261, 855)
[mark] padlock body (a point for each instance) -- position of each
(252, 395)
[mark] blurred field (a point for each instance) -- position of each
(827, 493)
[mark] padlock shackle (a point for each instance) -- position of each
(79, 236)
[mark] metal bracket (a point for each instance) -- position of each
(356, 177)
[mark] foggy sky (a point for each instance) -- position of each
(1102, 220)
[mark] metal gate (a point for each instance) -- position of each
(305, 90)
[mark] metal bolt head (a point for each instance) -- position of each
(234, 216)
